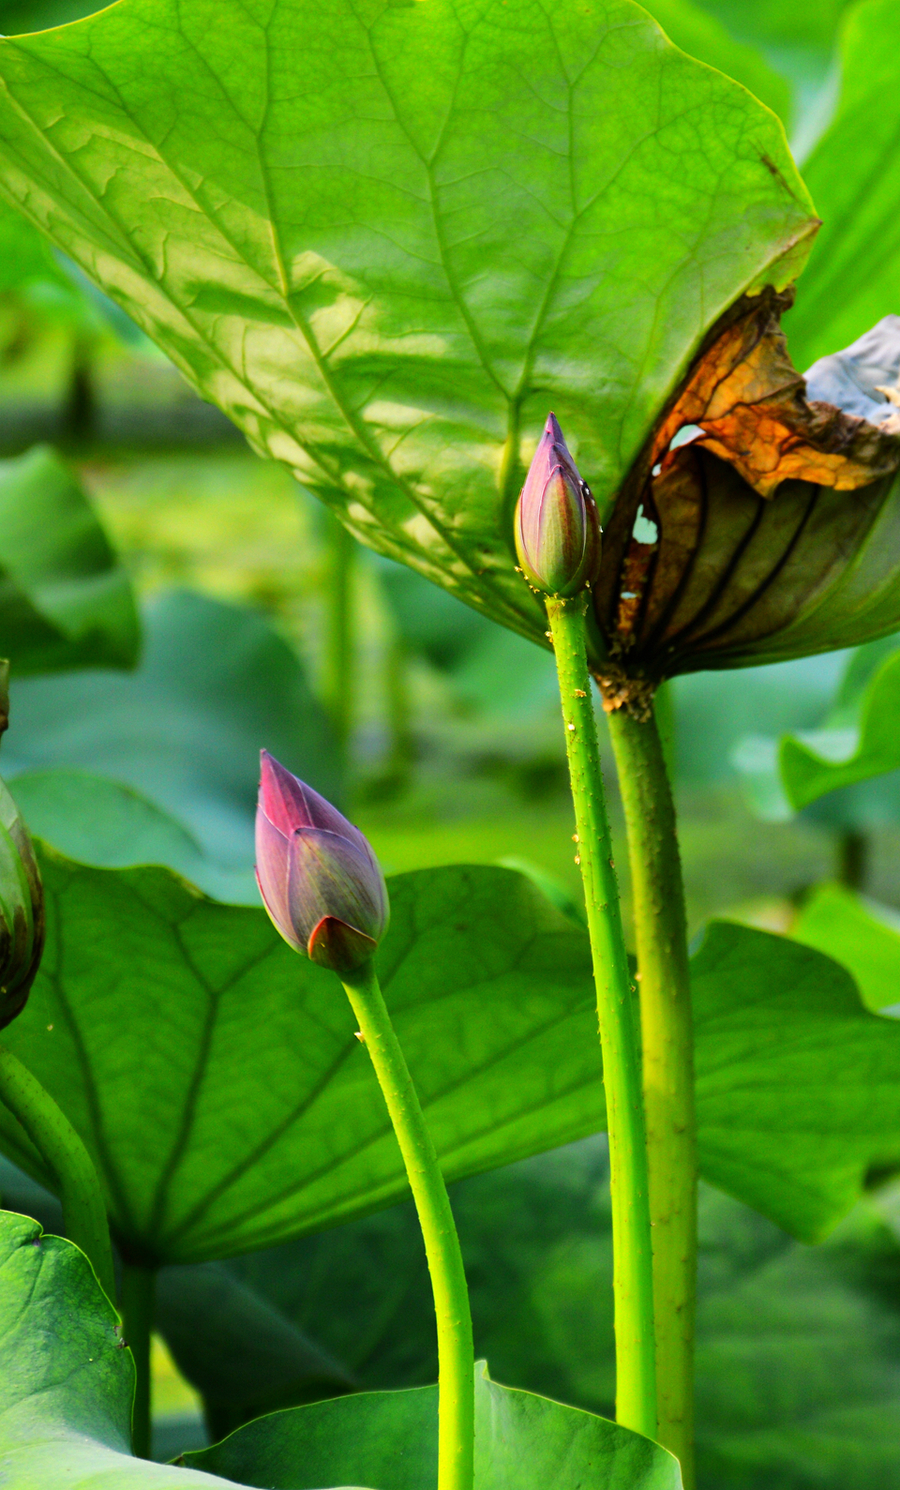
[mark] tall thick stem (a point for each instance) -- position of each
(668, 1060)
(136, 1307)
(632, 1249)
(456, 1374)
(84, 1209)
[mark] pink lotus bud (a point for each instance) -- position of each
(557, 528)
(317, 874)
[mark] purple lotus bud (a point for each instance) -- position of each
(557, 528)
(21, 911)
(317, 874)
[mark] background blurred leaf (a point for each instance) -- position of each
(65, 601)
(18, 16)
(703, 35)
(861, 935)
(491, 669)
(811, 23)
(820, 762)
(99, 821)
(848, 284)
(827, 766)
(520, 1441)
(714, 711)
(25, 255)
(215, 684)
(395, 333)
(249, 1356)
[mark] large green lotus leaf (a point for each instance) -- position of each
(522, 1442)
(387, 278)
(798, 1085)
(66, 1383)
(852, 275)
(216, 1079)
(184, 730)
(215, 1075)
(861, 935)
(65, 600)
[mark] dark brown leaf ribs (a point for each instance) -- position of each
(716, 542)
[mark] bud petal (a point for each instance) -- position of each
(336, 945)
(21, 911)
(557, 530)
(318, 877)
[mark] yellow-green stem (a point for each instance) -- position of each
(632, 1247)
(668, 1059)
(84, 1209)
(341, 638)
(136, 1304)
(456, 1375)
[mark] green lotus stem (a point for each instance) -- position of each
(84, 1208)
(632, 1247)
(456, 1370)
(668, 1060)
(136, 1303)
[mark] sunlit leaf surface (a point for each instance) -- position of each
(388, 277)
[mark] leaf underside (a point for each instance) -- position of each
(386, 280)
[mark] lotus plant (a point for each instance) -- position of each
(382, 295)
(325, 893)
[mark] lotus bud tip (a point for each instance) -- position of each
(557, 531)
(318, 877)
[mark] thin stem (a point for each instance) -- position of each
(456, 1374)
(632, 1247)
(84, 1209)
(136, 1308)
(341, 658)
(852, 857)
(399, 711)
(668, 1058)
